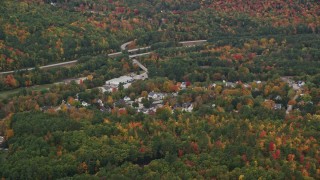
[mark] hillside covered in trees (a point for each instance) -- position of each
(221, 89)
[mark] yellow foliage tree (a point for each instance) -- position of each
(90, 77)
(110, 100)
(9, 133)
(218, 89)
(144, 94)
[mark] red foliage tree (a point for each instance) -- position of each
(11, 81)
(276, 155)
(291, 157)
(122, 111)
(244, 157)
(301, 158)
(272, 146)
(142, 149)
(263, 134)
(195, 147)
(180, 153)
(136, 11)
(238, 57)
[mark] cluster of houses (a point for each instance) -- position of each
(296, 85)
(155, 100)
(274, 100)
(234, 84)
(68, 105)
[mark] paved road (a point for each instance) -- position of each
(192, 43)
(114, 54)
(289, 108)
(138, 55)
(123, 46)
(138, 49)
(75, 61)
(42, 67)
(295, 87)
(140, 65)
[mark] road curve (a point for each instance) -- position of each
(123, 47)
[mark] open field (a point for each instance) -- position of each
(5, 94)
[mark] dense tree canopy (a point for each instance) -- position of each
(243, 104)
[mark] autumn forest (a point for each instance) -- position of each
(162, 89)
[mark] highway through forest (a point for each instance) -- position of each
(111, 55)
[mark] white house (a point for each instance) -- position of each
(213, 85)
(139, 99)
(188, 107)
(156, 96)
(246, 85)
(279, 98)
(126, 99)
(277, 106)
(1, 139)
(183, 85)
(100, 102)
(152, 95)
(84, 104)
(230, 84)
(301, 83)
(175, 94)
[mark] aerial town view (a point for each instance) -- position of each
(160, 89)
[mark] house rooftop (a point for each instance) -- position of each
(277, 106)
(1, 139)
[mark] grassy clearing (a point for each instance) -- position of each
(10, 93)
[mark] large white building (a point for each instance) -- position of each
(116, 81)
